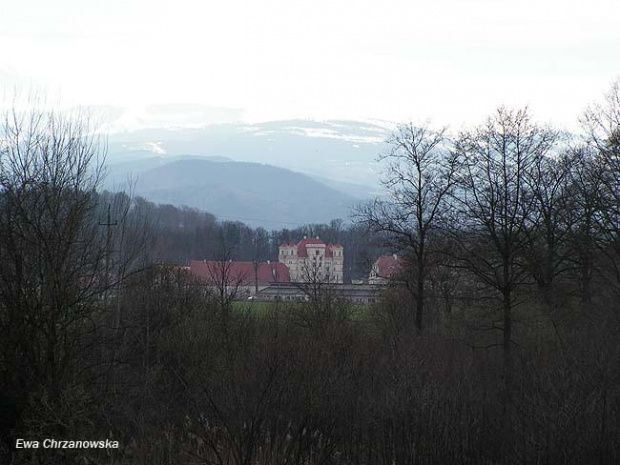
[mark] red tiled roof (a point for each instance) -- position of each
(301, 246)
(303, 252)
(329, 250)
(240, 273)
(311, 241)
(387, 265)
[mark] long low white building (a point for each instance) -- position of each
(358, 294)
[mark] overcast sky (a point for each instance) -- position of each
(450, 60)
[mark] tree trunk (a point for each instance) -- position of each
(585, 262)
(419, 298)
(507, 333)
(507, 326)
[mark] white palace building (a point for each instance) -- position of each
(313, 259)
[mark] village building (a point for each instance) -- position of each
(357, 294)
(244, 279)
(309, 262)
(384, 268)
(313, 260)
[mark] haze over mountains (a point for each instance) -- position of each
(288, 172)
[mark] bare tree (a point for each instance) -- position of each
(548, 181)
(582, 206)
(225, 282)
(51, 253)
(602, 123)
(316, 280)
(420, 174)
(495, 203)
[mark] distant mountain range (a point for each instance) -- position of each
(287, 172)
(344, 151)
(259, 195)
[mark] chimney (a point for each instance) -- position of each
(395, 257)
(268, 262)
(316, 237)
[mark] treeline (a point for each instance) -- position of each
(181, 234)
(509, 210)
(496, 344)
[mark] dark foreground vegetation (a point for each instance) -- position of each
(185, 381)
(496, 344)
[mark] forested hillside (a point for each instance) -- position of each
(180, 234)
(259, 194)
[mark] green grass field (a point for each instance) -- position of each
(259, 307)
(262, 308)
